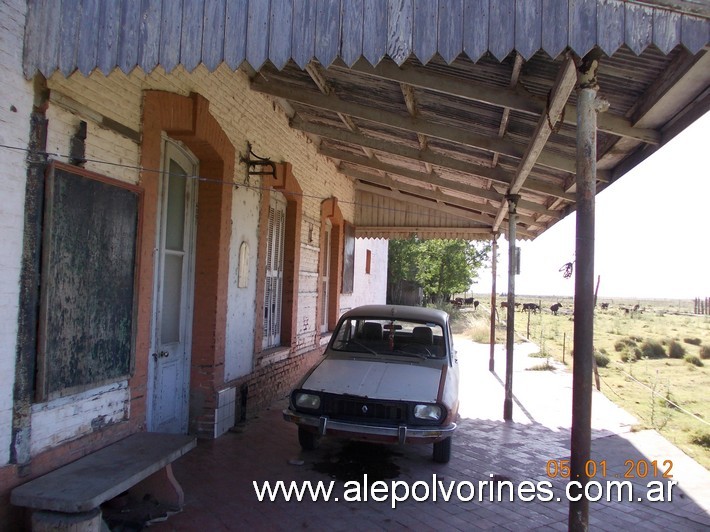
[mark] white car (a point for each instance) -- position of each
(389, 374)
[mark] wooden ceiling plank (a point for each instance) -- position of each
(517, 99)
(687, 75)
(454, 186)
(426, 156)
(436, 198)
(317, 74)
(390, 118)
(379, 165)
(426, 203)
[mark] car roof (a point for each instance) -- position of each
(398, 312)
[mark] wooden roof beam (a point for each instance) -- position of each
(564, 85)
(494, 174)
(411, 102)
(537, 187)
(514, 76)
(315, 71)
(397, 120)
(516, 99)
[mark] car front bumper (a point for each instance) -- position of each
(401, 433)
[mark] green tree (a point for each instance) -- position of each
(440, 267)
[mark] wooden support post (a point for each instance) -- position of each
(494, 267)
(510, 323)
(587, 108)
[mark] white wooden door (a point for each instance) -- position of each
(172, 318)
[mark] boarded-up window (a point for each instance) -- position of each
(348, 258)
(90, 238)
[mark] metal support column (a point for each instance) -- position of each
(494, 268)
(510, 322)
(587, 108)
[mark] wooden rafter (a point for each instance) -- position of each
(515, 99)
(539, 187)
(417, 125)
(315, 71)
(410, 101)
(564, 85)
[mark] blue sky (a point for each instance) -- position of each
(652, 231)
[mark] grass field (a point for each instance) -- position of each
(656, 360)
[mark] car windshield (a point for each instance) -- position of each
(390, 337)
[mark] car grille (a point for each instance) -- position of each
(364, 410)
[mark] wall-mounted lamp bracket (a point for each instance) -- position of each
(258, 165)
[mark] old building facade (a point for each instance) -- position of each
(230, 274)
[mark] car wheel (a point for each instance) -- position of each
(442, 451)
(308, 440)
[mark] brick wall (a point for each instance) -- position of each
(245, 117)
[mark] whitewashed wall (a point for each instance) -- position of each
(368, 288)
(241, 316)
(15, 109)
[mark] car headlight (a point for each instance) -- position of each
(428, 412)
(309, 401)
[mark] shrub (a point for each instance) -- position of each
(675, 350)
(702, 439)
(542, 367)
(705, 352)
(652, 349)
(623, 343)
(692, 341)
(694, 360)
(602, 359)
(627, 357)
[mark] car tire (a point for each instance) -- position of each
(442, 451)
(308, 440)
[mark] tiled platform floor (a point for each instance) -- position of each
(218, 475)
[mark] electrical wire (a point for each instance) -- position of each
(207, 180)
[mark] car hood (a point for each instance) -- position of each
(376, 380)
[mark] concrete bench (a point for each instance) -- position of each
(68, 498)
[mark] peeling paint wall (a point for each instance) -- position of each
(71, 417)
(241, 318)
(15, 109)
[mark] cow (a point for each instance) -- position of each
(531, 306)
(554, 308)
(476, 302)
(468, 301)
(605, 306)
